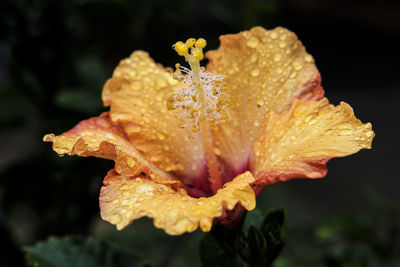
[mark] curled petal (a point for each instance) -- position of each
(264, 71)
(124, 199)
(137, 95)
(298, 143)
(100, 137)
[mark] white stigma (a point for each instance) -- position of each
(186, 100)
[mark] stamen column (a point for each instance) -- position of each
(193, 58)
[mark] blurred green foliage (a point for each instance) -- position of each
(227, 247)
(55, 57)
(79, 252)
(356, 240)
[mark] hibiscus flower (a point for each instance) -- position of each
(195, 147)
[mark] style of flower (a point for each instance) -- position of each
(197, 149)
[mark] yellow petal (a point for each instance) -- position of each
(124, 199)
(100, 137)
(264, 71)
(137, 94)
(300, 142)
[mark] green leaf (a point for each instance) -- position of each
(214, 253)
(78, 252)
(272, 229)
(242, 248)
(258, 247)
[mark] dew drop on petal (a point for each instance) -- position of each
(252, 42)
(161, 83)
(297, 65)
(253, 57)
(255, 72)
(257, 149)
(115, 218)
(160, 136)
(277, 57)
(308, 58)
(133, 128)
(136, 86)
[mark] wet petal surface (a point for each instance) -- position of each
(100, 137)
(137, 95)
(299, 143)
(264, 71)
(124, 199)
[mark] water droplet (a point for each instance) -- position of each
(136, 86)
(277, 57)
(253, 57)
(160, 136)
(255, 72)
(155, 158)
(257, 149)
(308, 58)
(252, 42)
(131, 162)
(172, 81)
(115, 218)
(297, 64)
(298, 111)
(312, 122)
(282, 44)
(133, 129)
(161, 83)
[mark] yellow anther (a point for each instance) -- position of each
(201, 43)
(180, 48)
(198, 53)
(190, 42)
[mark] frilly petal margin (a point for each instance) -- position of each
(100, 137)
(124, 199)
(299, 143)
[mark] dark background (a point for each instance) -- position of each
(56, 55)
